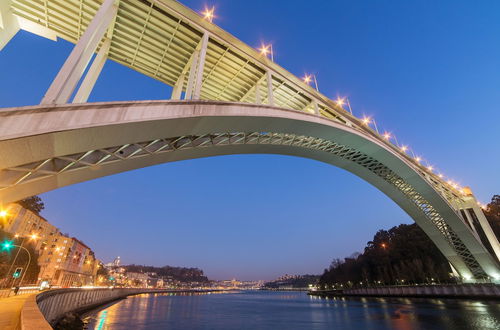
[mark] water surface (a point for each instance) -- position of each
(292, 310)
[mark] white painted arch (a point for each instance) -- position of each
(47, 147)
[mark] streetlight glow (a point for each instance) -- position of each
(208, 13)
(267, 50)
(340, 101)
(34, 236)
(3, 213)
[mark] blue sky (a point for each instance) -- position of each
(427, 71)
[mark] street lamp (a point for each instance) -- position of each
(9, 245)
(308, 78)
(267, 49)
(208, 14)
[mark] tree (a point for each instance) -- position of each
(33, 203)
(401, 253)
(492, 213)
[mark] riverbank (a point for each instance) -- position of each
(463, 291)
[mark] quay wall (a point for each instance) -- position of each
(481, 291)
(42, 311)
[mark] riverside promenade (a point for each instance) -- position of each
(42, 310)
(465, 291)
(10, 311)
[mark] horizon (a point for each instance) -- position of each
(414, 67)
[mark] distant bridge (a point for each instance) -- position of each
(227, 98)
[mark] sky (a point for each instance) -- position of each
(427, 71)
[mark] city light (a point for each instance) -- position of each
(7, 245)
(404, 148)
(3, 213)
(307, 79)
(430, 168)
(387, 136)
(208, 14)
(267, 50)
(418, 159)
(340, 101)
(366, 120)
(34, 236)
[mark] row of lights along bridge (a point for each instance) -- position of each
(267, 50)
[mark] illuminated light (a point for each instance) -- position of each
(383, 245)
(7, 245)
(208, 14)
(16, 236)
(387, 136)
(3, 213)
(265, 49)
(34, 236)
(366, 120)
(404, 148)
(430, 168)
(340, 101)
(307, 79)
(418, 159)
(440, 175)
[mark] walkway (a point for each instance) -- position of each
(10, 311)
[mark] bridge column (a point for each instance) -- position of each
(177, 90)
(316, 108)
(192, 74)
(258, 98)
(270, 95)
(9, 25)
(201, 66)
(95, 70)
(66, 80)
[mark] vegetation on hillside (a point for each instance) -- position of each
(492, 213)
(33, 203)
(177, 273)
(401, 255)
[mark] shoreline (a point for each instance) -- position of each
(469, 291)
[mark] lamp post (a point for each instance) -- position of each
(32, 237)
(27, 265)
(9, 245)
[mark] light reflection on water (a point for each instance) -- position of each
(292, 310)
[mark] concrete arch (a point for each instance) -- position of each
(47, 147)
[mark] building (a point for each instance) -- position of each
(29, 227)
(64, 261)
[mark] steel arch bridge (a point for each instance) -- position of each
(227, 98)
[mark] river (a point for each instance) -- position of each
(290, 311)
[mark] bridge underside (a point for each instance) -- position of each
(47, 147)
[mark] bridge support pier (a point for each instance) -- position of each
(270, 95)
(72, 70)
(91, 77)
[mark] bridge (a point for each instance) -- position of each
(227, 98)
